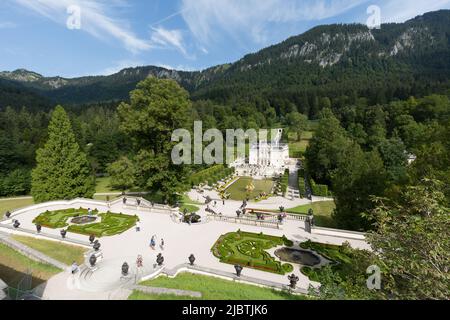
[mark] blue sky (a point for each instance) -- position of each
(178, 34)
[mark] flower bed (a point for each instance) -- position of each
(249, 250)
(110, 223)
(58, 219)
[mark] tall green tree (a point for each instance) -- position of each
(358, 177)
(412, 239)
(157, 107)
(122, 173)
(62, 170)
(297, 123)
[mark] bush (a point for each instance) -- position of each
(287, 267)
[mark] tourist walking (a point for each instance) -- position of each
(162, 244)
(89, 212)
(138, 226)
(152, 243)
(139, 261)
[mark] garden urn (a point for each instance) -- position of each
(92, 260)
(63, 233)
(38, 228)
(293, 279)
(191, 259)
(238, 269)
(159, 259)
(97, 245)
(16, 224)
(125, 268)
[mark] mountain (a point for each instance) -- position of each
(394, 61)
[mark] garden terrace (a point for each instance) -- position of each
(59, 219)
(340, 257)
(249, 250)
(237, 190)
(109, 224)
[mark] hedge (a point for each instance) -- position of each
(301, 183)
(319, 190)
(210, 175)
(284, 182)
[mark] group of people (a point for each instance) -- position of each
(153, 243)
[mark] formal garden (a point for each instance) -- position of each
(93, 223)
(253, 189)
(342, 258)
(249, 250)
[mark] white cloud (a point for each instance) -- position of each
(251, 18)
(402, 10)
(94, 19)
(179, 67)
(119, 65)
(165, 38)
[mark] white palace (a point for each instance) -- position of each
(265, 158)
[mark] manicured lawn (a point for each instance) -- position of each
(298, 148)
(59, 251)
(189, 208)
(238, 192)
(249, 250)
(190, 205)
(102, 185)
(13, 265)
(59, 219)
(104, 198)
(111, 224)
(9, 205)
(322, 212)
(212, 289)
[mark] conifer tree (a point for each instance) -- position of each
(62, 170)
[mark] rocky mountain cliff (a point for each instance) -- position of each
(327, 58)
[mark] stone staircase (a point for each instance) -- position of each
(107, 276)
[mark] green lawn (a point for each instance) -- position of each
(298, 148)
(13, 264)
(212, 289)
(322, 212)
(59, 219)
(59, 251)
(105, 198)
(190, 205)
(102, 185)
(238, 192)
(249, 250)
(111, 224)
(9, 205)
